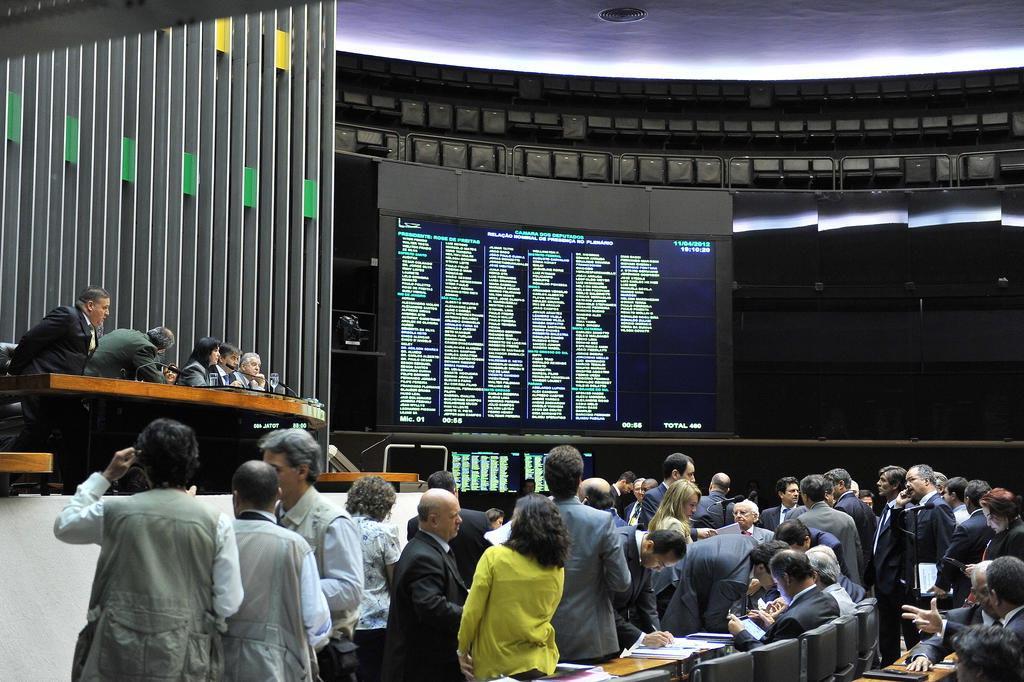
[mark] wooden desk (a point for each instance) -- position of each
(56, 385)
(228, 422)
(628, 666)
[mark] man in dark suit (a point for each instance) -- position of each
(927, 523)
(808, 606)
(965, 547)
(788, 490)
(714, 575)
(931, 650)
(798, 536)
(597, 493)
(1003, 601)
(130, 354)
(622, 492)
(714, 509)
(469, 545)
(426, 608)
(885, 570)
(60, 343)
(636, 613)
(846, 501)
(641, 487)
(676, 466)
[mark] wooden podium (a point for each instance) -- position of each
(228, 421)
(341, 481)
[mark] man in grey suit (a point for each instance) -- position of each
(715, 574)
(248, 372)
(745, 514)
(819, 515)
(788, 490)
(585, 619)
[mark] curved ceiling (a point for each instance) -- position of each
(700, 39)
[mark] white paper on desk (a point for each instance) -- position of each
(927, 574)
(680, 649)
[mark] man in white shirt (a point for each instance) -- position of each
(227, 365)
(284, 609)
(955, 496)
(145, 585)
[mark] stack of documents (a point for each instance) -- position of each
(680, 649)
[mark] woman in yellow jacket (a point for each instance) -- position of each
(506, 622)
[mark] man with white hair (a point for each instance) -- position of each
(826, 570)
(249, 374)
(746, 514)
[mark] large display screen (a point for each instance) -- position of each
(533, 467)
(487, 471)
(529, 329)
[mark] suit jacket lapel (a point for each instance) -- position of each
(449, 560)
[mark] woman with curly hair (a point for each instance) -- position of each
(506, 622)
(369, 502)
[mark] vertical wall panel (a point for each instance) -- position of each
(115, 212)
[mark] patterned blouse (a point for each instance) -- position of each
(380, 549)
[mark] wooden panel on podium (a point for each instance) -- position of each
(239, 399)
(353, 476)
(26, 462)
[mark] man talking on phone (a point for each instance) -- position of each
(927, 523)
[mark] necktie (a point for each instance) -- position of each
(634, 517)
(92, 339)
(782, 515)
(881, 525)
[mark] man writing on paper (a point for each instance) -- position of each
(636, 613)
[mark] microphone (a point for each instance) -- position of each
(158, 364)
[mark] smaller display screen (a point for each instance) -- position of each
(487, 471)
(533, 467)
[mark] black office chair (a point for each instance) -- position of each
(738, 667)
(867, 635)
(10, 407)
(777, 662)
(846, 648)
(6, 352)
(818, 653)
